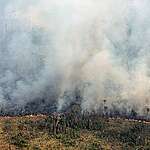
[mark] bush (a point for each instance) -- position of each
(65, 139)
(19, 140)
(7, 126)
(68, 139)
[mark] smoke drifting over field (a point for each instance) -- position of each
(50, 48)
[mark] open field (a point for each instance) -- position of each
(38, 133)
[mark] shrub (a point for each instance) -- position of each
(7, 126)
(19, 140)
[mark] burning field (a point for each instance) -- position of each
(75, 74)
(75, 129)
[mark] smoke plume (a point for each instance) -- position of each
(50, 48)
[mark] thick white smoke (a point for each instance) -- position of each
(48, 47)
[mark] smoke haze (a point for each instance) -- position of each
(50, 47)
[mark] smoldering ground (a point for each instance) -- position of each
(50, 48)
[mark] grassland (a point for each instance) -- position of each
(34, 133)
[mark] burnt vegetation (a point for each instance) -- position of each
(68, 127)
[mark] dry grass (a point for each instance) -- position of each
(19, 129)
